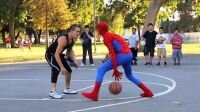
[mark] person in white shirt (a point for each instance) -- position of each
(133, 41)
(161, 40)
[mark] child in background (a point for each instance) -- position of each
(176, 42)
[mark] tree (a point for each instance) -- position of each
(137, 15)
(56, 12)
(8, 14)
(196, 7)
(115, 13)
(152, 12)
(84, 10)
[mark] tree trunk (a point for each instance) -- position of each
(36, 37)
(11, 21)
(154, 7)
(12, 31)
(138, 28)
(3, 32)
(17, 34)
(39, 35)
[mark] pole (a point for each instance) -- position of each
(94, 14)
(47, 33)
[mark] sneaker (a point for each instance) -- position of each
(69, 91)
(135, 63)
(91, 64)
(82, 64)
(158, 64)
(178, 63)
(146, 63)
(55, 95)
(165, 63)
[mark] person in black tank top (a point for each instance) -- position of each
(57, 60)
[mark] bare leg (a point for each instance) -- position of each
(159, 59)
(67, 80)
(164, 59)
(53, 86)
(151, 58)
(147, 58)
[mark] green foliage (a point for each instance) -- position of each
(58, 14)
(189, 17)
(84, 10)
(115, 13)
(117, 24)
(197, 8)
(166, 11)
(10, 9)
(137, 15)
(119, 14)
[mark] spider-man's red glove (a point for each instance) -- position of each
(117, 74)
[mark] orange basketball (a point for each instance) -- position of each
(115, 87)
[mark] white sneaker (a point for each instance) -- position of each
(69, 91)
(55, 95)
(91, 64)
(82, 64)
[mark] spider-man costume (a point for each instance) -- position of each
(120, 55)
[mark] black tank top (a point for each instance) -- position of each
(52, 48)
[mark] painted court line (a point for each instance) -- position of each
(75, 100)
(72, 100)
(169, 89)
(131, 101)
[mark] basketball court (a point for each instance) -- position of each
(25, 87)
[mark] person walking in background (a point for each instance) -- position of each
(21, 44)
(176, 41)
(8, 41)
(29, 43)
(149, 37)
(87, 45)
(161, 40)
(133, 42)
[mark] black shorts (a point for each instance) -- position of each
(149, 50)
(134, 53)
(54, 65)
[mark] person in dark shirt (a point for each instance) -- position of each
(57, 60)
(87, 45)
(149, 37)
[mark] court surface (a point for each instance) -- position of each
(25, 87)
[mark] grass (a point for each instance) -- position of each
(38, 52)
(15, 55)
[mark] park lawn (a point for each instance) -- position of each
(38, 52)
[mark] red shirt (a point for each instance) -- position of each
(8, 40)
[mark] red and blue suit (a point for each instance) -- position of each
(120, 54)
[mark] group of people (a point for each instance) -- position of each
(153, 39)
(20, 42)
(120, 54)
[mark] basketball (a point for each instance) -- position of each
(115, 88)
(160, 40)
(142, 42)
